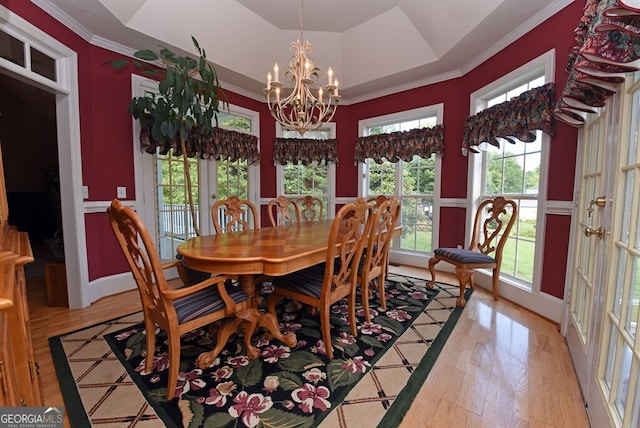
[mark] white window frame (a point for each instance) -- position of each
(396, 255)
(330, 209)
(513, 289)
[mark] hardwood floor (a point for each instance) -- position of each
(502, 366)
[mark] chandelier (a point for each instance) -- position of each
(300, 110)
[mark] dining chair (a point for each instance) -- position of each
(376, 201)
(233, 214)
(324, 284)
(283, 210)
(493, 222)
(177, 310)
(311, 208)
(373, 265)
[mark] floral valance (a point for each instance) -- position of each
(607, 45)
(304, 150)
(401, 145)
(220, 144)
(518, 118)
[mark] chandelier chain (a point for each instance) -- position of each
(301, 20)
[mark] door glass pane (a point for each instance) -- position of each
(629, 178)
(611, 357)
(631, 317)
(620, 278)
(175, 224)
(623, 380)
(233, 177)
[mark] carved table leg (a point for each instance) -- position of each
(264, 320)
(225, 331)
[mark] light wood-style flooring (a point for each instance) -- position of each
(502, 366)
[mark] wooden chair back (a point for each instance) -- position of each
(492, 224)
(347, 239)
(283, 210)
(143, 259)
(491, 227)
(384, 218)
(377, 200)
(233, 214)
(311, 208)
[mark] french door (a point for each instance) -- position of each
(590, 236)
(161, 188)
(602, 321)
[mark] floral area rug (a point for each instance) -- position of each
(371, 377)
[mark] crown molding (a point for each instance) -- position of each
(64, 19)
(529, 25)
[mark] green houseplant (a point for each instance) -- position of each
(188, 100)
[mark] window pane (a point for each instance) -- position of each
(382, 178)
(12, 49)
(43, 64)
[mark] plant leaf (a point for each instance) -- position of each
(117, 63)
(147, 55)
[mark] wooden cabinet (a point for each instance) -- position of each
(19, 378)
(20, 383)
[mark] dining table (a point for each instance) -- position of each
(252, 253)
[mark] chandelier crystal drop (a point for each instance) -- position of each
(301, 110)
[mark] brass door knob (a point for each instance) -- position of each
(599, 232)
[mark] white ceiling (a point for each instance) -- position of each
(375, 47)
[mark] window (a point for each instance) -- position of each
(316, 179)
(515, 171)
(415, 183)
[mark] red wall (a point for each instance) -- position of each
(106, 132)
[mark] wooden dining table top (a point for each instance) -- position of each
(271, 251)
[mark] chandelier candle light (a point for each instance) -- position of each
(301, 111)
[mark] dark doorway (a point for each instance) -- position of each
(28, 137)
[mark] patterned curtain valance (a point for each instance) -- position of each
(401, 145)
(304, 150)
(517, 118)
(607, 45)
(220, 144)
